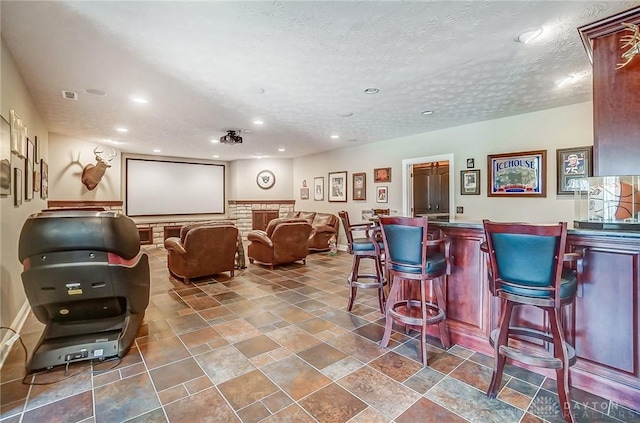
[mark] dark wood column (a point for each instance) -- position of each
(616, 103)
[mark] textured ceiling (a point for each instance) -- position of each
(202, 67)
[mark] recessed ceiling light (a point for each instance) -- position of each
(95, 92)
(282, 150)
(335, 137)
(122, 130)
(215, 141)
(139, 100)
(258, 122)
(371, 91)
(157, 150)
(215, 156)
(530, 35)
(427, 112)
(345, 114)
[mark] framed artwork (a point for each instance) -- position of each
(318, 188)
(304, 193)
(37, 180)
(17, 186)
(360, 186)
(520, 174)
(36, 156)
(44, 177)
(338, 187)
(470, 182)
(470, 163)
(382, 174)
(18, 134)
(573, 165)
(382, 195)
(265, 179)
(5, 177)
(5, 157)
(28, 171)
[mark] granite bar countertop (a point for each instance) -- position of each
(571, 231)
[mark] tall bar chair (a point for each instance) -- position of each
(526, 265)
(410, 258)
(362, 242)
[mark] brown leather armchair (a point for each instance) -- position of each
(202, 250)
(324, 226)
(283, 241)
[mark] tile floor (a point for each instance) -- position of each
(278, 346)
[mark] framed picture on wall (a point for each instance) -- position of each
(338, 187)
(17, 186)
(360, 186)
(382, 195)
(520, 174)
(18, 134)
(573, 165)
(470, 182)
(304, 193)
(28, 171)
(5, 157)
(44, 176)
(318, 188)
(382, 174)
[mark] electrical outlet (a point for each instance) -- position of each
(459, 209)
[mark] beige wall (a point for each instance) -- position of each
(68, 156)
(245, 187)
(14, 96)
(544, 130)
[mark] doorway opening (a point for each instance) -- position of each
(428, 187)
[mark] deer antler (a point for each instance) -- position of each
(632, 41)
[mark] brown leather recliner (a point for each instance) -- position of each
(324, 226)
(202, 250)
(283, 241)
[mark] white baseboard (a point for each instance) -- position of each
(16, 325)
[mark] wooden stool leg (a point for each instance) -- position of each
(423, 329)
(354, 277)
(393, 293)
(562, 375)
(380, 277)
(499, 360)
(442, 305)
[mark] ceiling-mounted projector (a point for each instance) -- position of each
(231, 138)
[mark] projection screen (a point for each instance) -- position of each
(156, 188)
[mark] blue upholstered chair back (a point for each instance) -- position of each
(526, 259)
(404, 244)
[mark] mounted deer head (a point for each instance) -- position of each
(93, 173)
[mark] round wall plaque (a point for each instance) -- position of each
(265, 179)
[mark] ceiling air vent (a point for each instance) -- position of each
(69, 95)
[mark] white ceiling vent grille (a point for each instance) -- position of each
(69, 95)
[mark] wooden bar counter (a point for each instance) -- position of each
(603, 324)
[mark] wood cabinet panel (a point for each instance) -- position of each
(467, 294)
(606, 312)
(261, 218)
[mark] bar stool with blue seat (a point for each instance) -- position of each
(362, 242)
(410, 256)
(526, 265)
